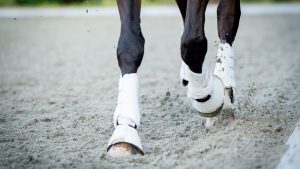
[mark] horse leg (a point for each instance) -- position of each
(182, 5)
(228, 14)
(193, 40)
(204, 89)
(125, 140)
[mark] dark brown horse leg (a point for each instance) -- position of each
(182, 4)
(130, 49)
(130, 53)
(228, 13)
(193, 40)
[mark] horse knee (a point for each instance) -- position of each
(130, 51)
(193, 51)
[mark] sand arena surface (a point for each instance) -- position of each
(58, 91)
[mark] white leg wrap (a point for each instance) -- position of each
(183, 72)
(127, 115)
(224, 65)
(225, 71)
(128, 104)
(215, 101)
(200, 86)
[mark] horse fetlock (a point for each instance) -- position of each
(193, 51)
(206, 92)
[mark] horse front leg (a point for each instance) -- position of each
(125, 140)
(205, 90)
(193, 39)
(228, 14)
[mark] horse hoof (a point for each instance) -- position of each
(228, 115)
(210, 122)
(123, 150)
(224, 118)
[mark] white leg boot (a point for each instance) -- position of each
(206, 91)
(224, 70)
(184, 79)
(126, 117)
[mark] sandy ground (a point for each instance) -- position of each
(58, 91)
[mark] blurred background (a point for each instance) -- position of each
(107, 2)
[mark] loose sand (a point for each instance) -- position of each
(58, 91)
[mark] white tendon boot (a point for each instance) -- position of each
(126, 117)
(184, 74)
(205, 90)
(224, 70)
